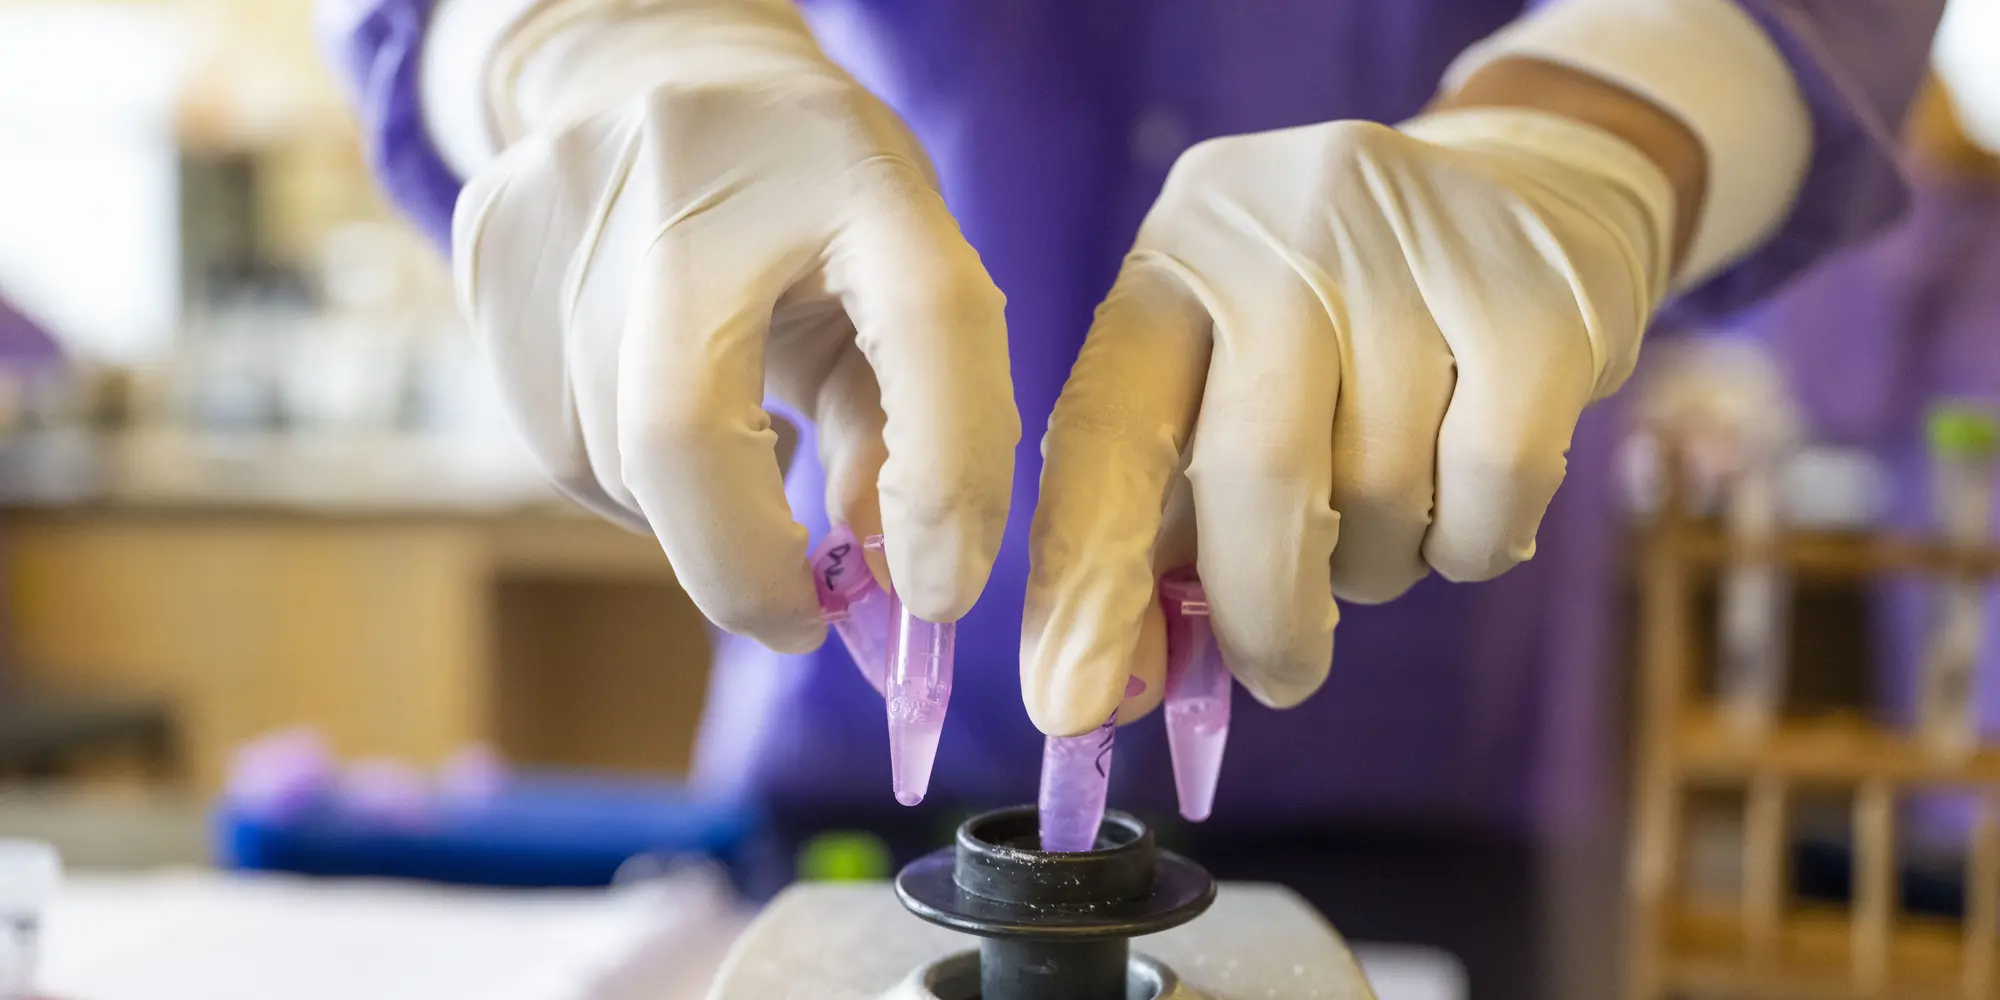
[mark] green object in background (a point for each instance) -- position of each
(844, 856)
(1963, 430)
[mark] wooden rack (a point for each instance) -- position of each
(1764, 944)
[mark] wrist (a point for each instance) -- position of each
(496, 70)
(1701, 63)
(1545, 87)
(458, 42)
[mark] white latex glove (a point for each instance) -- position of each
(694, 207)
(1356, 334)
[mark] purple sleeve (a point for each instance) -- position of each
(375, 46)
(1859, 64)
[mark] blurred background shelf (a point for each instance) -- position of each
(1839, 749)
(1765, 940)
(1811, 958)
(1836, 554)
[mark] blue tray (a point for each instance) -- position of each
(545, 829)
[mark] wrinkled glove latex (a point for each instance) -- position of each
(1367, 348)
(693, 208)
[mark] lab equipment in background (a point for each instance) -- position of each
(228, 373)
(1716, 404)
(1756, 603)
(845, 856)
(1833, 894)
(915, 657)
(1199, 686)
(1820, 486)
(30, 872)
(1076, 775)
(1834, 488)
(363, 340)
(1964, 445)
(384, 297)
(291, 807)
(1721, 411)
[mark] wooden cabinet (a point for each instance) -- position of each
(559, 638)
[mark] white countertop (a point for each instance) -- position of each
(208, 936)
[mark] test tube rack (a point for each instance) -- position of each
(1764, 944)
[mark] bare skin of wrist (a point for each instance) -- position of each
(1545, 86)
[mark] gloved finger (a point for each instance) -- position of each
(819, 370)
(848, 412)
(1149, 664)
(520, 329)
(1175, 547)
(697, 448)
(1112, 453)
(1504, 444)
(933, 328)
(596, 303)
(1262, 471)
(1396, 379)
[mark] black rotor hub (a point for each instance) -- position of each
(1054, 926)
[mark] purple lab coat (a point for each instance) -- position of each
(1053, 126)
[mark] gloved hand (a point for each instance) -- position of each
(1353, 334)
(695, 207)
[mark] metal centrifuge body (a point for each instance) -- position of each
(1047, 926)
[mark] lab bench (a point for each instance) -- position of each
(402, 621)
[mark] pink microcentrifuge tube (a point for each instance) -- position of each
(850, 600)
(385, 791)
(1076, 773)
(905, 658)
(473, 773)
(280, 776)
(1197, 695)
(918, 692)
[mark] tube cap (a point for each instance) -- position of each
(1963, 430)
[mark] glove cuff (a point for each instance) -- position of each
(458, 43)
(1706, 63)
(494, 69)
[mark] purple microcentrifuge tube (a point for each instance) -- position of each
(389, 792)
(850, 600)
(280, 776)
(1076, 773)
(1197, 695)
(905, 658)
(474, 773)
